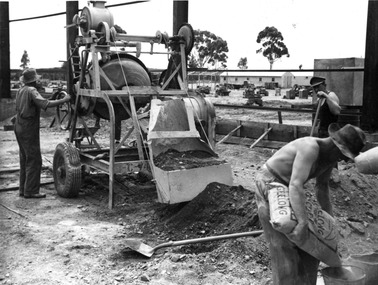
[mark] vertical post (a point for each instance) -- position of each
(72, 8)
(4, 51)
(183, 60)
(369, 118)
(180, 14)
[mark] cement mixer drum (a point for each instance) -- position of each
(122, 72)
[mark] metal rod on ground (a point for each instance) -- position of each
(229, 134)
(261, 137)
(15, 169)
(14, 211)
(16, 187)
(320, 102)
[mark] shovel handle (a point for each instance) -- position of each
(205, 239)
(320, 102)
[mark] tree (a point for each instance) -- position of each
(243, 63)
(273, 47)
(209, 49)
(25, 60)
(193, 63)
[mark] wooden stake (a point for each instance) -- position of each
(261, 137)
(229, 134)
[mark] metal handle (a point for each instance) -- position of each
(320, 102)
(205, 239)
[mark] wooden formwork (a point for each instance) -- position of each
(250, 131)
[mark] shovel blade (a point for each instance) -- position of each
(140, 247)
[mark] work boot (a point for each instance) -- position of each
(37, 195)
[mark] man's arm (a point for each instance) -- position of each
(58, 102)
(307, 154)
(332, 101)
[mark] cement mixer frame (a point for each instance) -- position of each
(101, 38)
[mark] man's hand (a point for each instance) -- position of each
(66, 97)
(300, 234)
(322, 94)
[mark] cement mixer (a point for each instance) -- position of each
(112, 83)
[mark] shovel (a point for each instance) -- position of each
(148, 251)
(320, 102)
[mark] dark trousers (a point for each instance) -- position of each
(30, 159)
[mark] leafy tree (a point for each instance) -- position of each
(192, 63)
(243, 63)
(209, 49)
(273, 47)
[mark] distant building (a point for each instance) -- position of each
(55, 73)
(268, 79)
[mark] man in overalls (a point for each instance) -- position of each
(28, 107)
(330, 108)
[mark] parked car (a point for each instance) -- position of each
(222, 90)
(261, 90)
(252, 96)
(203, 89)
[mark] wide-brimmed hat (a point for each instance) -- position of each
(349, 139)
(316, 80)
(29, 75)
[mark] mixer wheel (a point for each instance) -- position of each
(67, 170)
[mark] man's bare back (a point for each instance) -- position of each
(303, 158)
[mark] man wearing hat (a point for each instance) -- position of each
(291, 167)
(330, 108)
(28, 107)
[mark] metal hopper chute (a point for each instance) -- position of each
(172, 127)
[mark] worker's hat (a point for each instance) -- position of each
(29, 75)
(349, 139)
(316, 80)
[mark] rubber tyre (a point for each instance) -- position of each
(67, 170)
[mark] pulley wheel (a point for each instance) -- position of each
(86, 103)
(104, 30)
(186, 31)
(63, 111)
(67, 170)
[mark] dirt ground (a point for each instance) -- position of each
(80, 241)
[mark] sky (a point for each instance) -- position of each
(312, 29)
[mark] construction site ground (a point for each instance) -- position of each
(80, 241)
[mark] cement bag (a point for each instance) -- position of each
(323, 233)
(281, 216)
(367, 162)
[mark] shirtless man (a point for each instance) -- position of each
(293, 165)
